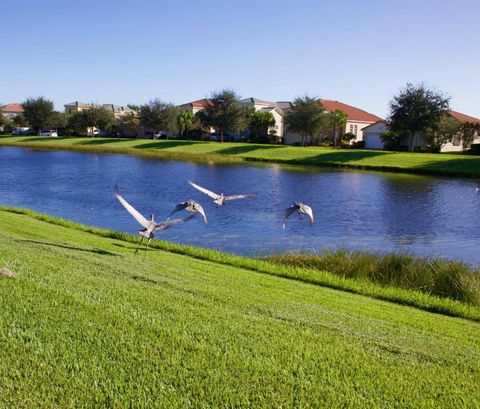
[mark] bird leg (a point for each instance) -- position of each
(146, 248)
(139, 244)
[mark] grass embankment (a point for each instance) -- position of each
(85, 322)
(421, 163)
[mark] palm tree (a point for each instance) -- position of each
(185, 120)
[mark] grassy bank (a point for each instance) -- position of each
(420, 163)
(311, 275)
(84, 322)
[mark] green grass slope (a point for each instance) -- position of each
(85, 322)
(422, 163)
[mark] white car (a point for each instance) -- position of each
(49, 132)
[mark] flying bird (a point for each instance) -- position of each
(190, 206)
(149, 226)
(301, 209)
(219, 199)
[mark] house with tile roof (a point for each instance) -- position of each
(373, 134)
(357, 119)
(12, 110)
(272, 107)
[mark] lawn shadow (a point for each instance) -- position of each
(165, 144)
(43, 139)
(467, 166)
(342, 156)
(238, 150)
(63, 246)
(95, 141)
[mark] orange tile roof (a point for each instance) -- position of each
(353, 114)
(15, 107)
(462, 117)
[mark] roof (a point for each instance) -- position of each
(284, 104)
(76, 103)
(200, 103)
(257, 101)
(14, 107)
(353, 114)
(117, 108)
(372, 125)
(462, 117)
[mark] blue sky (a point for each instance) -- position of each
(357, 52)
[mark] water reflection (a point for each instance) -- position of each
(357, 210)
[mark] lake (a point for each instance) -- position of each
(428, 216)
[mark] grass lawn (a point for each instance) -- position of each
(85, 322)
(422, 163)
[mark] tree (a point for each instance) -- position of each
(58, 120)
(20, 120)
(445, 130)
(130, 123)
(38, 112)
(469, 131)
(159, 116)
(306, 118)
(97, 117)
(3, 119)
(338, 120)
(415, 110)
(185, 121)
(259, 122)
(134, 107)
(392, 141)
(223, 112)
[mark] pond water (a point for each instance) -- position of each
(354, 210)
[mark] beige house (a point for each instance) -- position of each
(357, 120)
(119, 111)
(372, 134)
(272, 107)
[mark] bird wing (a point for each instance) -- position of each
(236, 197)
(169, 223)
(179, 207)
(288, 212)
(203, 190)
(308, 211)
(130, 209)
(200, 210)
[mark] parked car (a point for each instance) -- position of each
(22, 130)
(95, 132)
(49, 132)
(160, 135)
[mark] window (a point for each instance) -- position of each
(356, 130)
(351, 128)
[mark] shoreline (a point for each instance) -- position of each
(396, 295)
(448, 165)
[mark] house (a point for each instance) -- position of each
(255, 103)
(357, 119)
(195, 106)
(119, 111)
(12, 110)
(373, 133)
(272, 107)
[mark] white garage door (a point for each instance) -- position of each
(372, 141)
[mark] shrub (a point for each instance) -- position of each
(443, 278)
